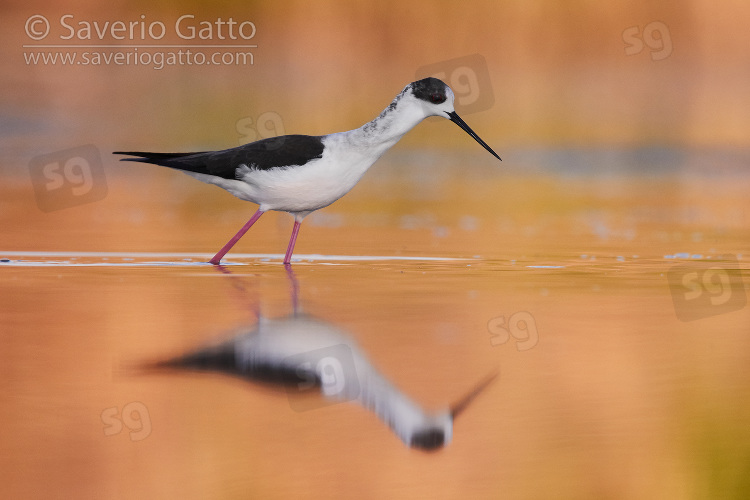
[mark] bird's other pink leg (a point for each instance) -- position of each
(294, 288)
(217, 258)
(292, 241)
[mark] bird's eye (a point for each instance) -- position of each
(437, 98)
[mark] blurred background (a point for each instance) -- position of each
(625, 137)
(563, 90)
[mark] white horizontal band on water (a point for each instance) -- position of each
(206, 256)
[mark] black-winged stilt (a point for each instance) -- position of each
(307, 354)
(299, 173)
(287, 351)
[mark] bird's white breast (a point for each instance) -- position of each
(308, 187)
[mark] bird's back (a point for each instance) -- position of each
(266, 154)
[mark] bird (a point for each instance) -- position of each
(310, 356)
(300, 174)
(305, 354)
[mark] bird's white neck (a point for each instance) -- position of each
(376, 137)
(396, 409)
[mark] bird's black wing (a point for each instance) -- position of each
(275, 152)
(223, 358)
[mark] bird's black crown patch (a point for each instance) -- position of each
(428, 439)
(430, 90)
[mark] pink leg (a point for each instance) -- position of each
(295, 288)
(217, 258)
(292, 241)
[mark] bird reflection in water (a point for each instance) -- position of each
(305, 354)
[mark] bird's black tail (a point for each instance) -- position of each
(220, 358)
(190, 162)
(202, 162)
(144, 156)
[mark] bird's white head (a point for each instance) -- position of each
(436, 99)
(433, 96)
(436, 431)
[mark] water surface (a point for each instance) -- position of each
(603, 389)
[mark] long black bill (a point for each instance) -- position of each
(461, 404)
(458, 121)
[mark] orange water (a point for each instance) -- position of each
(605, 393)
(621, 175)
